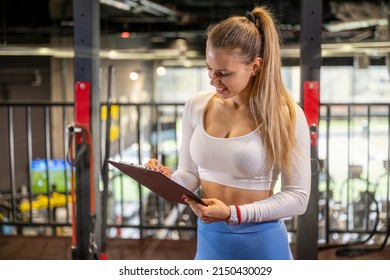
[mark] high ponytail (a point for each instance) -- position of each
(270, 103)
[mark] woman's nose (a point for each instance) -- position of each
(213, 80)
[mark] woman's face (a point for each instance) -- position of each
(228, 73)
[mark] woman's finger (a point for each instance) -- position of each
(151, 164)
(196, 207)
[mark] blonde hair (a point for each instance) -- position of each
(270, 104)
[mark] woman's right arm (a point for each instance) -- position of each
(187, 171)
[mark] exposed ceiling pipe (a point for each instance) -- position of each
(158, 7)
(337, 27)
(139, 6)
(121, 5)
(354, 16)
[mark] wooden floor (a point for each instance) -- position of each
(59, 248)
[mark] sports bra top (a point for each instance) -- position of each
(236, 162)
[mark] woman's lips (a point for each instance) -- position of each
(220, 90)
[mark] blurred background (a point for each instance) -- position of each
(151, 59)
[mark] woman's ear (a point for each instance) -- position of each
(260, 60)
(257, 64)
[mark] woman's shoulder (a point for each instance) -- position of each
(195, 105)
(201, 97)
(198, 101)
(300, 115)
(301, 126)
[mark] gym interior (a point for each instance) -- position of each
(84, 81)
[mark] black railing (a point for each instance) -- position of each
(354, 203)
(28, 142)
(354, 154)
(152, 129)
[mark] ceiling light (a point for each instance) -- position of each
(133, 76)
(161, 71)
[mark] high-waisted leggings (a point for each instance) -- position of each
(247, 241)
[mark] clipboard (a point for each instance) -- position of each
(156, 182)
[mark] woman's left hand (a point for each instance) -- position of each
(216, 211)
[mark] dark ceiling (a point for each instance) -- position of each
(27, 22)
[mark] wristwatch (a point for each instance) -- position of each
(233, 219)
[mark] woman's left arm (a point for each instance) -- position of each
(293, 198)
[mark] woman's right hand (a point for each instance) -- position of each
(154, 165)
(215, 211)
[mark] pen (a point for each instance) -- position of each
(159, 159)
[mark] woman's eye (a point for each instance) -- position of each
(218, 73)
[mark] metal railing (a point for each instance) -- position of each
(29, 174)
(34, 185)
(354, 177)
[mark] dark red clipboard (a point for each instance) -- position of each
(156, 182)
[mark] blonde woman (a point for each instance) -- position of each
(238, 140)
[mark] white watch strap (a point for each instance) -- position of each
(233, 219)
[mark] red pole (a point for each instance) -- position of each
(311, 108)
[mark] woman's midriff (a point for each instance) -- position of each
(231, 195)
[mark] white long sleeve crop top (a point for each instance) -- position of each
(239, 163)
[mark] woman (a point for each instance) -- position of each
(238, 139)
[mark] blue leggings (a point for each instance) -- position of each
(247, 241)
